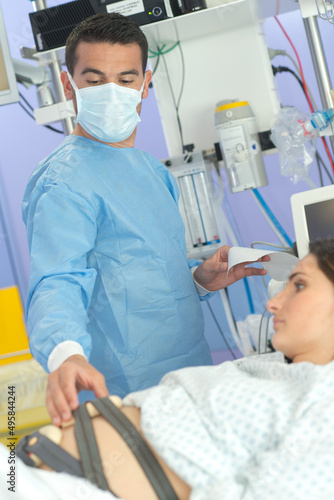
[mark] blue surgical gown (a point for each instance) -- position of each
(108, 264)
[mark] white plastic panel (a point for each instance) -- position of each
(225, 58)
(227, 16)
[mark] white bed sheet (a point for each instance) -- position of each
(35, 484)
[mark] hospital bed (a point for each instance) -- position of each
(22, 391)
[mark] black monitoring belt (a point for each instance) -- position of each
(90, 465)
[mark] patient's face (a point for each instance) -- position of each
(304, 315)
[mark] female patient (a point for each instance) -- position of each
(252, 429)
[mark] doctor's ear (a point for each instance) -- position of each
(148, 78)
(66, 84)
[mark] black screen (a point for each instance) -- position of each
(320, 219)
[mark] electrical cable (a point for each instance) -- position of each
(260, 329)
(161, 51)
(154, 53)
(264, 282)
(273, 53)
(175, 104)
(183, 76)
(24, 109)
(32, 116)
(298, 59)
(298, 71)
(228, 299)
(156, 65)
(267, 331)
(27, 102)
(328, 153)
(319, 171)
(283, 69)
(324, 167)
(220, 330)
(270, 245)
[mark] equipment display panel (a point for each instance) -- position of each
(313, 216)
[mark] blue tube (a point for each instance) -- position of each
(321, 119)
(273, 218)
(249, 296)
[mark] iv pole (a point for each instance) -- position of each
(309, 13)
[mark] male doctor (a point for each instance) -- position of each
(112, 304)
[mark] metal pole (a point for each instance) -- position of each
(55, 69)
(319, 63)
(39, 5)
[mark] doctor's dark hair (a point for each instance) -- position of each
(105, 28)
(323, 250)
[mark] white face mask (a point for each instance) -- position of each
(108, 112)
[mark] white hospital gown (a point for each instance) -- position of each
(258, 431)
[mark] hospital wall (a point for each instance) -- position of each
(23, 144)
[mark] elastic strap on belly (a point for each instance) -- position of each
(88, 450)
(37, 445)
(142, 452)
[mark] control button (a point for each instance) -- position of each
(157, 11)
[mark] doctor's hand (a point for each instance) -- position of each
(212, 273)
(64, 384)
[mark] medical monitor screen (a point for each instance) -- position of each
(313, 216)
(8, 88)
(320, 219)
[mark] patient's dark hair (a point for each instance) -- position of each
(323, 250)
(105, 28)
